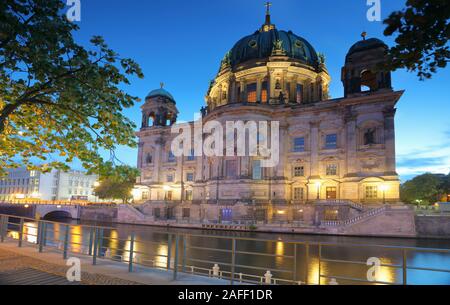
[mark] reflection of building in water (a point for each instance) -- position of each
(341, 148)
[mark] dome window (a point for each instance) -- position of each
(253, 43)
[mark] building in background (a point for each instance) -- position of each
(56, 185)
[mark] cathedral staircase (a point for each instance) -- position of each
(369, 214)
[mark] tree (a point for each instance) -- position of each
(116, 182)
(58, 100)
(424, 189)
(423, 32)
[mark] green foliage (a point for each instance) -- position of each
(116, 182)
(57, 98)
(422, 32)
(424, 189)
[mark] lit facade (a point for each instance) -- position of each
(56, 185)
(330, 149)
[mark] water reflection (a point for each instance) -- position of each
(151, 248)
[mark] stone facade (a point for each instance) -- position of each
(340, 149)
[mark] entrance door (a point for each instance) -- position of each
(227, 215)
(331, 193)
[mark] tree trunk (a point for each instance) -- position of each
(6, 112)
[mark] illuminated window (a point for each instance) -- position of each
(257, 171)
(332, 170)
(299, 145)
(299, 171)
(331, 141)
(264, 92)
(251, 93)
(298, 193)
(371, 192)
(189, 177)
(331, 215)
(189, 195)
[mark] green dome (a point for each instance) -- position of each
(364, 45)
(161, 92)
(260, 45)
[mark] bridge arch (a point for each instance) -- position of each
(59, 214)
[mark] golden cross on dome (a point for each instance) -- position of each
(161, 84)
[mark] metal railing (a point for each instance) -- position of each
(181, 247)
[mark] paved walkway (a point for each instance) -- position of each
(49, 266)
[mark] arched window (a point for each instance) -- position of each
(251, 93)
(149, 158)
(368, 81)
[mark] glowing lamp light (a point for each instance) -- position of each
(26, 206)
(35, 195)
(135, 193)
(20, 196)
(166, 188)
(96, 184)
(281, 212)
(384, 187)
(318, 184)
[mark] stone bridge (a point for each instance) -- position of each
(41, 211)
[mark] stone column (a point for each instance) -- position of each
(314, 148)
(280, 169)
(258, 90)
(350, 123)
(141, 157)
(158, 159)
(389, 139)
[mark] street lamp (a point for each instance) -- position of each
(318, 185)
(384, 188)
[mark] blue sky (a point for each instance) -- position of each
(181, 44)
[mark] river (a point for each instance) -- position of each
(151, 248)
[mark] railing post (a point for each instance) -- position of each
(2, 228)
(175, 265)
(100, 242)
(43, 236)
(94, 256)
(233, 260)
(169, 250)
(306, 263)
(294, 275)
(130, 261)
(320, 259)
(184, 255)
(21, 232)
(91, 240)
(66, 241)
(405, 268)
(39, 233)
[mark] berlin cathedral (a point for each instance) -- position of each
(331, 150)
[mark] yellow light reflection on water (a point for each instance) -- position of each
(113, 244)
(30, 232)
(126, 254)
(161, 259)
(279, 250)
(76, 240)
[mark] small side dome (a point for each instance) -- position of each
(365, 45)
(161, 93)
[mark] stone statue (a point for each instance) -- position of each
(369, 136)
(281, 98)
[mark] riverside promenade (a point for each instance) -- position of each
(26, 266)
